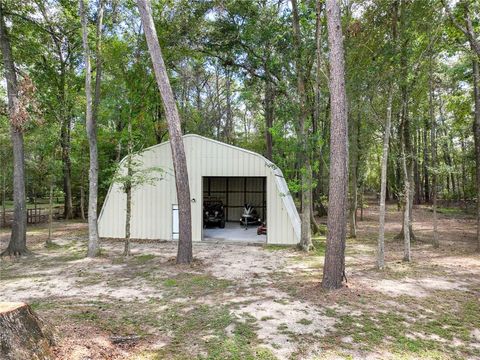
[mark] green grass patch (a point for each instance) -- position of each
(406, 335)
(266, 318)
(188, 285)
(143, 259)
(42, 306)
(450, 210)
(320, 245)
(53, 246)
(304, 321)
(204, 328)
(86, 315)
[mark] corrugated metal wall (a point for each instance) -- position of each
(152, 204)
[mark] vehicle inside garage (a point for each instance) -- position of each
(234, 208)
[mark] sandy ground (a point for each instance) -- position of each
(136, 308)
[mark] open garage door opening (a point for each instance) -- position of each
(234, 209)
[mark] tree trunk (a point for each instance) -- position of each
(126, 251)
(64, 112)
(50, 215)
(184, 254)
(228, 97)
(18, 240)
(426, 179)
(416, 170)
(306, 173)
(4, 198)
(269, 115)
(354, 153)
(128, 191)
(82, 202)
(23, 334)
(362, 201)
(433, 146)
(334, 268)
(67, 166)
(476, 133)
(406, 202)
(464, 172)
(98, 63)
(383, 183)
(93, 246)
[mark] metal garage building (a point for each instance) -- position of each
(232, 174)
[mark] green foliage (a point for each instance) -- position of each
(247, 44)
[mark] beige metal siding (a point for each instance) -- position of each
(152, 204)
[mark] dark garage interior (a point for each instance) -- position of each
(233, 193)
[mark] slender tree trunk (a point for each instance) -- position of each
(416, 170)
(334, 268)
(127, 251)
(362, 204)
(184, 254)
(318, 125)
(318, 63)
(406, 211)
(228, 97)
(128, 191)
(476, 132)
(433, 146)
(315, 225)
(18, 240)
(67, 165)
(426, 179)
(82, 188)
(65, 142)
(269, 116)
(50, 215)
(98, 62)
(93, 245)
(464, 172)
(405, 119)
(4, 197)
(354, 156)
(64, 113)
(306, 173)
(82, 201)
(383, 182)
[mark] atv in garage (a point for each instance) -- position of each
(213, 213)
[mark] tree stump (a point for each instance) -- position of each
(22, 334)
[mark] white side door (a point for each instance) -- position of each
(175, 222)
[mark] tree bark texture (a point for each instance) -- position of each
(426, 162)
(476, 133)
(18, 239)
(334, 267)
(93, 245)
(354, 160)
(269, 116)
(50, 214)
(184, 254)
(4, 199)
(229, 114)
(433, 145)
(128, 191)
(66, 166)
(383, 182)
(406, 204)
(306, 171)
(22, 334)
